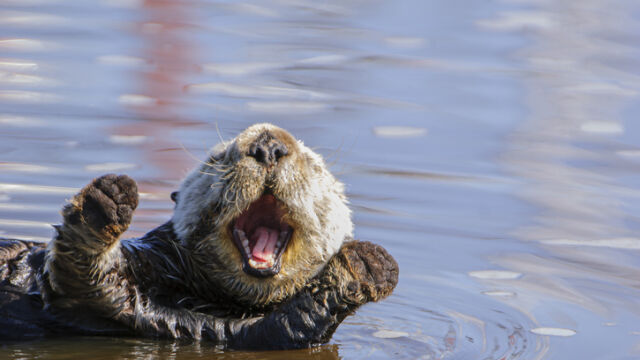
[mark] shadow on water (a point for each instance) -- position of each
(491, 147)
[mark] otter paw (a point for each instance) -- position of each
(106, 205)
(375, 272)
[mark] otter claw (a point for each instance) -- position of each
(107, 204)
(375, 272)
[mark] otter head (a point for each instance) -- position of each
(262, 215)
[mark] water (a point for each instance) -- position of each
(491, 147)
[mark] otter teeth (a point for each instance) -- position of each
(243, 239)
(263, 254)
(242, 236)
(261, 264)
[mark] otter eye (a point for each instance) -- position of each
(216, 157)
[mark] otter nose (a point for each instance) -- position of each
(267, 149)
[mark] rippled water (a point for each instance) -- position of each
(491, 146)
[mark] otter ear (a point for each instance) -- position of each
(218, 156)
(174, 197)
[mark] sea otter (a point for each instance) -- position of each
(258, 254)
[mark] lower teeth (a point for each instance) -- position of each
(261, 264)
(264, 263)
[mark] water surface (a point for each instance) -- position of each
(491, 147)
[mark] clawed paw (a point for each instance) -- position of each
(375, 272)
(106, 205)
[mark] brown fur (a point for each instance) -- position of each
(241, 181)
(185, 278)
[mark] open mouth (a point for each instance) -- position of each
(261, 235)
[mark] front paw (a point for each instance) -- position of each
(106, 205)
(374, 271)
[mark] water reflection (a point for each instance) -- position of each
(167, 57)
(109, 348)
(565, 154)
(451, 124)
(172, 58)
(24, 45)
(28, 97)
(576, 101)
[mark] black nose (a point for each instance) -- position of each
(267, 149)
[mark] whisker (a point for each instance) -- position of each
(219, 134)
(333, 156)
(218, 184)
(207, 173)
(226, 198)
(194, 157)
(228, 175)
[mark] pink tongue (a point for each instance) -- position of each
(265, 239)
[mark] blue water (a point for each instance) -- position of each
(491, 147)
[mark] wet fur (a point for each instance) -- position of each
(315, 199)
(185, 278)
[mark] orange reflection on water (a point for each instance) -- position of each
(159, 86)
(156, 99)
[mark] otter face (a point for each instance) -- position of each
(262, 215)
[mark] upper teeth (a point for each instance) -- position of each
(243, 239)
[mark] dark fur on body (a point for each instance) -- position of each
(87, 281)
(167, 306)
